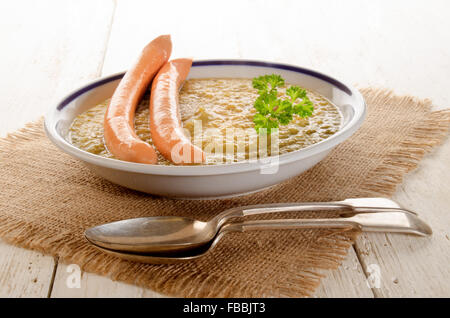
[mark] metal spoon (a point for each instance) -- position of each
(177, 234)
(394, 221)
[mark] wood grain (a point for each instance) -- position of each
(403, 45)
(52, 48)
(48, 49)
(24, 273)
(92, 285)
(347, 281)
(411, 266)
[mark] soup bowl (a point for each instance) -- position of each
(210, 181)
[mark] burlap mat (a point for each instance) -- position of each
(48, 199)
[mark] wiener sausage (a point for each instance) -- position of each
(165, 123)
(120, 137)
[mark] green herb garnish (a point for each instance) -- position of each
(273, 111)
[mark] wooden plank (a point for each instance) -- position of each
(412, 266)
(395, 44)
(48, 48)
(349, 280)
(24, 273)
(92, 285)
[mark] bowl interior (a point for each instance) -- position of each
(348, 100)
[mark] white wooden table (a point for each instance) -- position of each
(51, 47)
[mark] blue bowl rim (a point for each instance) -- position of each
(287, 67)
(225, 168)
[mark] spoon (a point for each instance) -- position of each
(393, 221)
(176, 234)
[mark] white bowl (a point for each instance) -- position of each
(218, 180)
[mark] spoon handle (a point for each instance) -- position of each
(355, 205)
(399, 222)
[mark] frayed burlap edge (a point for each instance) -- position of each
(419, 141)
(324, 254)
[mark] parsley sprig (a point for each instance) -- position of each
(273, 111)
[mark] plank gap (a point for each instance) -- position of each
(364, 269)
(52, 280)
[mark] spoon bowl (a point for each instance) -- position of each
(165, 257)
(152, 234)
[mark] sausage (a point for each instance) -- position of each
(165, 122)
(120, 137)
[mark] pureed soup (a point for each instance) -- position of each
(218, 115)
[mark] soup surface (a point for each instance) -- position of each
(218, 114)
